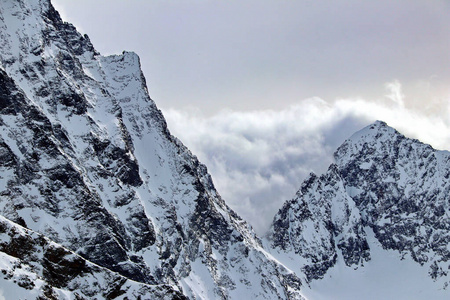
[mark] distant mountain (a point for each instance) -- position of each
(98, 199)
(386, 196)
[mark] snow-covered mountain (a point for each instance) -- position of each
(99, 199)
(386, 199)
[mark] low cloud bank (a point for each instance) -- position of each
(258, 159)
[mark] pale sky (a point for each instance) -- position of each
(264, 91)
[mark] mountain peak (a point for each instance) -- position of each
(374, 139)
(386, 191)
(375, 131)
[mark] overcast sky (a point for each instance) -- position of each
(264, 91)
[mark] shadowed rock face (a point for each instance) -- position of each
(87, 161)
(49, 271)
(397, 187)
(59, 179)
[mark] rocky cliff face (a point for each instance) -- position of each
(320, 223)
(97, 186)
(381, 182)
(35, 267)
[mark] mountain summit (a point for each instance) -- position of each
(386, 196)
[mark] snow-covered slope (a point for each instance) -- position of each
(33, 266)
(87, 164)
(379, 218)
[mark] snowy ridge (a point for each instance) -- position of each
(88, 162)
(387, 196)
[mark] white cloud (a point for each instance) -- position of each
(258, 159)
(396, 93)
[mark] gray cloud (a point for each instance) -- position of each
(253, 55)
(258, 159)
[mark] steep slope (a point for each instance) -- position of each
(321, 223)
(86, 160)
(35, 267)
(386, 194)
